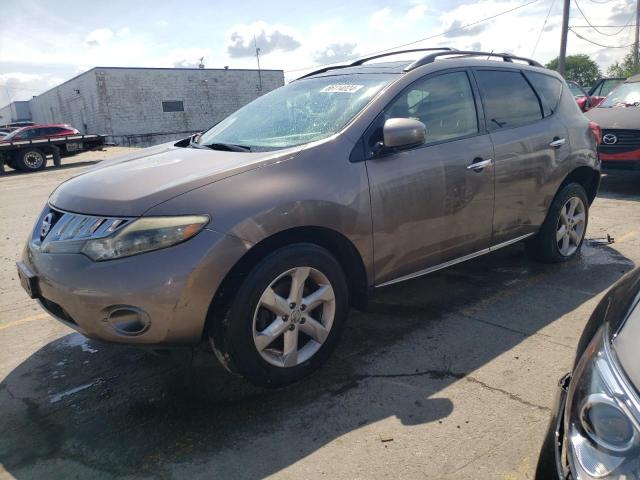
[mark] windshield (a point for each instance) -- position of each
(576, 90)
(13, 134)
(625, 95)
(298, 113)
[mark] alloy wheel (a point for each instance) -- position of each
(571, 226)
(294, 317)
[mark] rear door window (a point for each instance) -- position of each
(549, 90)
(508, 99)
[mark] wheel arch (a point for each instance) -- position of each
(336, 243)
(588, 177)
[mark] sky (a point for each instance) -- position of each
(43, 43)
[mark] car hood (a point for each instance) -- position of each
(130, 185)
(615, 117)
(626, 344)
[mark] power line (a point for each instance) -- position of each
(535, 47)
(596, 28)
(604, 26)
(598, 44)
(426, 38)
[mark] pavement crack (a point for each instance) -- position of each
(436, 375)
(546, 337)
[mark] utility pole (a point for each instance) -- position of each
(255, 44)
(636, 44)
(563, 37)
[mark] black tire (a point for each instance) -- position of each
(232, 331)
(544, 247)
(31, 160)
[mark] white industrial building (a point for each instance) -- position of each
(147, 106)
(15, 112)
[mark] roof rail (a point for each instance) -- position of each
(360, 61)
(507, 57)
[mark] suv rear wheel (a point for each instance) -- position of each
(286, 317)
(562, 233)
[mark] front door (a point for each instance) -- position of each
(430, 204)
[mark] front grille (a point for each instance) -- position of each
(59, 228)
(626, 141)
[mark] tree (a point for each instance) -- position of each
(623, 68)
(579, 68)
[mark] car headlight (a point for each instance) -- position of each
(144, 235)
(602, 424)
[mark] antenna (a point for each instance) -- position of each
(255, 44)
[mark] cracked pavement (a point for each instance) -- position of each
(447, 376)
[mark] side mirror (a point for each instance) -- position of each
(399, 133)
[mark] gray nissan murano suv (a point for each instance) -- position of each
(259, 233)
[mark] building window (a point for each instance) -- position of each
(173, 106)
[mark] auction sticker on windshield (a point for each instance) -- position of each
(341, 88)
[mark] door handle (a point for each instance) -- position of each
(557, 142)
(478, 164)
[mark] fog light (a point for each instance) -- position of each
(129, 321)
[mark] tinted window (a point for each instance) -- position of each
(173, 106)
(508, 99)
(549, 90)
(444, 104)
(29, 133)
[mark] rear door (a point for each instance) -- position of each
(529, 142)
(429, 204)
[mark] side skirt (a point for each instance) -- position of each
(450, 263)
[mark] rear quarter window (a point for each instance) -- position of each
(508, 99)
(549, 90)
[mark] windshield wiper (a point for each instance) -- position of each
(232, 147)
(193, 143)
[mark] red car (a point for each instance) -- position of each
(40, 131)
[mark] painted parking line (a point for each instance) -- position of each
(626, 236)
(32, 318)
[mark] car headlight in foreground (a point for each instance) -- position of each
(602, 419)
(144, 235)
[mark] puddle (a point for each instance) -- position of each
(77, 340)
(59, 396)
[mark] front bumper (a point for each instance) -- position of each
(619, 159)
(552, 465)
(155, 298)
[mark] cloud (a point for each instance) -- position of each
(621, 13)
(385, 20)
(23, 86)
(335, 52)
(380, 19)
(187, 57)
(162, 23)
(416, 12)
(269, 38)
(458, 31)
(99, 37)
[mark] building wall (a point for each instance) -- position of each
(126, 103)
(15, 112)
(75, 102)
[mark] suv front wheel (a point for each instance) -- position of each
(285, 318)
(562, 233)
